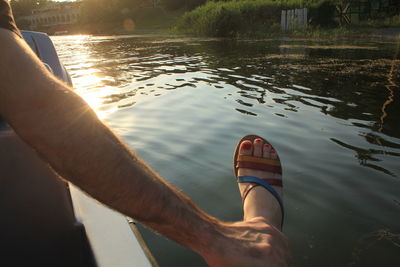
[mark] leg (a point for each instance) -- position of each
(259, 201)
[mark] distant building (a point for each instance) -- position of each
(54, 14)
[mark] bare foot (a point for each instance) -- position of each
(259, 201)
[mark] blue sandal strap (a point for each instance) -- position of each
(252, 179)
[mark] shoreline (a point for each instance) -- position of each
(389, 33)
(169, 29)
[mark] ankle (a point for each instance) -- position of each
(260, 203)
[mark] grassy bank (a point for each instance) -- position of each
(261, 19)
(245, 17)
(381, 23)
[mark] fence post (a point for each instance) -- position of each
(294, 18)
(283, 20)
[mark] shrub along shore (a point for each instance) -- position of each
(249, 17)
(261, 18)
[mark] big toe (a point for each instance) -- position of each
(246, 148)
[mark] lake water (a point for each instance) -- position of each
(332, 110)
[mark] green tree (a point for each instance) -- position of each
(94, 11)
(178, 4)
(25, 7)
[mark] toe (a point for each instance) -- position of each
(273, 153)
(246, 148)
(258, 147)
(267, 151)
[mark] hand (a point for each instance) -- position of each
(250, 243)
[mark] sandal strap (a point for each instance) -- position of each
(259, 166)
(272, 162)
(247, 190)
(274, 182)
(263, 183)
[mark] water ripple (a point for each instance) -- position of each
(331, 111)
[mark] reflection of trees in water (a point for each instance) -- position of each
(391, 86)
(348, 84)
(343, 83)
(365, 249)
(357, 84)
(365, 156)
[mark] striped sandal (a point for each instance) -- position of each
(257, 163)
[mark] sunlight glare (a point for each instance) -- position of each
(95, 98)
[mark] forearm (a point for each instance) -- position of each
(60, 126)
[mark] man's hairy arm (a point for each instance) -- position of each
(61, 127)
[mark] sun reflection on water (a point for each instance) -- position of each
(87, 80)
(96, 98)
